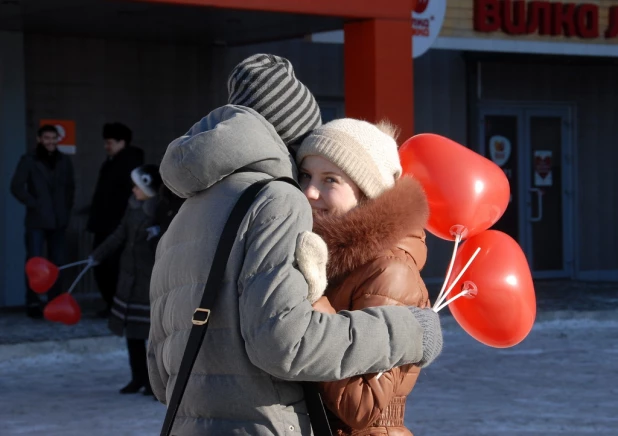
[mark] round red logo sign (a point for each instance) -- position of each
(421, 5)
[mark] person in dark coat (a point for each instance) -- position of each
(109, 202)
(44, 182)
(168, 206)
(139, 234)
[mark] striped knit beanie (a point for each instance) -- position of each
(267, 84)
(366, 152)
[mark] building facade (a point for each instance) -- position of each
(531, 85)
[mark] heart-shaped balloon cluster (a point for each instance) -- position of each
(467, 194)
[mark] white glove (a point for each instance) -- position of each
(153, 232)
(312, 256)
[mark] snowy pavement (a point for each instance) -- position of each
(562, 380)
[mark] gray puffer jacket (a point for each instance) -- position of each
(264, 335)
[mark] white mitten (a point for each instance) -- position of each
(153, 232)
(312, 256)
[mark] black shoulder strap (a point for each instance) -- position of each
(315, 407)
(201, 315)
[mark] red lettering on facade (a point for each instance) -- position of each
(587, 21)
(486, 15)
(542, 16)
(612, 28)
(513, 17)
(563, 19)
(539, 17)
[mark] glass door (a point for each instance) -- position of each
(548, 181)
(533, 148)
(501, 135)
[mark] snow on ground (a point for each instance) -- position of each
(562, 380)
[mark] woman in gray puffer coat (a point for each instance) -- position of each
(139, 233)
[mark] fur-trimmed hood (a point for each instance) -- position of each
(376, 225)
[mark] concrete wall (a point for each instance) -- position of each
(157, 90)
(12, 146)
(160, 90)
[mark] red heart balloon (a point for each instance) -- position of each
(502, 312)
(466, 192)
(63, 309)
(42, 274)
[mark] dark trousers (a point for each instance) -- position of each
(37, 240)
(106, 273)
(137, 360)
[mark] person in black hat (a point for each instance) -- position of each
(109, 202)
(138, 232)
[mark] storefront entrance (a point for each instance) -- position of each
(533, 145)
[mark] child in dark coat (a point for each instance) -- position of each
(139, 233)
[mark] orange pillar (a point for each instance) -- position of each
(378, 72)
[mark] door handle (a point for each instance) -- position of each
(539, 202)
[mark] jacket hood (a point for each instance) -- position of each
(228, 140)
(358, 236)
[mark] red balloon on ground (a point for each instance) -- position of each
(503, 311)
(41, 273)
(63, 309)
(463, 188)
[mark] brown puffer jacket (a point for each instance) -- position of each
(376, 253)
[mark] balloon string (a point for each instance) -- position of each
(81, 274)
(461, 294)
(450, 270)
(461, 273)
(72, 264)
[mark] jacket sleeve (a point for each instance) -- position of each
(19, 187)
(112, 243)
(70, 185)
(359, 401)
(283, 335)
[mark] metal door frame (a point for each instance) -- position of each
(523, 112)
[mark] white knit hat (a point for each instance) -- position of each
(365, 153)
(147, 178)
